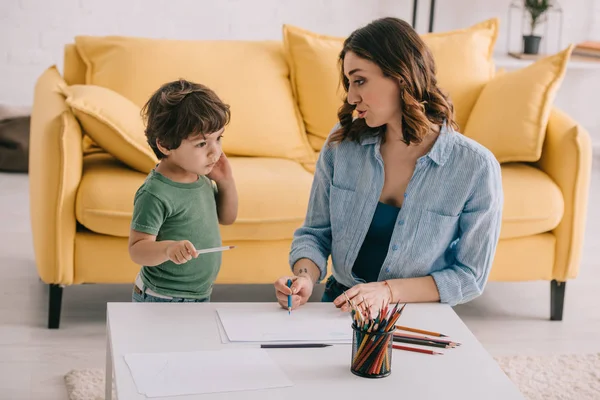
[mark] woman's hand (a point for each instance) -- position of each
(366, 297)
(301, 289)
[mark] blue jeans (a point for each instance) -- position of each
(138, 296)
(333, 289)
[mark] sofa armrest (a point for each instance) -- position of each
(567, 159)
(55, 164)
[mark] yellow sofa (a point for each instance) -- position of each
(88, 155)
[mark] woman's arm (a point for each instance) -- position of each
(479, 232)
(311, 246)
(306, 267)
(414, 290)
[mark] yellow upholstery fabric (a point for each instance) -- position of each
(74, 74)
(532, 201)
(251, 76)
(511, 114)
(105, 259)
(315, 79)
(55, 162)
(463, 59)
(567, 159)
(113, 122)
(74, 67)
(273, 197)
(527, 258)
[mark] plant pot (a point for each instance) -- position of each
(531, 44)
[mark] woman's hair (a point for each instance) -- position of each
(180, 109)
(398, 50)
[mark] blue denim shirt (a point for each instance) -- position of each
(448, 226)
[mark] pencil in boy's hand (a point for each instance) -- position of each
(289, 284)
(214, 249)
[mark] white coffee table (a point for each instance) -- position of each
(463, 373)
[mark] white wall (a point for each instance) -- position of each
(33, 32)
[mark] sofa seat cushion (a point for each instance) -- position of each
(533, 203)
(273, 196)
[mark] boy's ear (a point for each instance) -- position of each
(162, 148)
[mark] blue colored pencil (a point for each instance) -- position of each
(289, 284)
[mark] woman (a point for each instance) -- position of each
(408, 208)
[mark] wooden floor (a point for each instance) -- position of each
(508, 318)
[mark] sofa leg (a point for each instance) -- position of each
(557, 300)
(56, 292)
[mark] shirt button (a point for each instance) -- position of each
(401, 222)
(395, 247)
(387, 270)
(405, 195)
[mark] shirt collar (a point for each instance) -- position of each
(440, 151)
(442, 147)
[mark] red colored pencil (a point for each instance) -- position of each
(398, 347)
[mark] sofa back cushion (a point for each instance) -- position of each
(251, 76)
(463, 60)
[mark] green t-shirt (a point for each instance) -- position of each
(179, 211)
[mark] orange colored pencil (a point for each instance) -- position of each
(398, 347)
(424, 332)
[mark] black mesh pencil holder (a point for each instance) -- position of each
(371, 353)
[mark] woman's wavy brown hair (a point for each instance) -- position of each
(398, 50)
(180, 109)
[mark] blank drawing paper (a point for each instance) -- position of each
(276, 325)
(210, 371)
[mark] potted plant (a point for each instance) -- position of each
(537, 10)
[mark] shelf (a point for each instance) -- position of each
(575, 62)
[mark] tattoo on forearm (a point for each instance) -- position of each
(303, 270)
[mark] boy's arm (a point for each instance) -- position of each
(145, 250)
(227, 201)
(149, 213)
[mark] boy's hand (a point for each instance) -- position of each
(181, 252)
(221, 171)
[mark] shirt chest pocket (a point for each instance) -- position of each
(341, 204)
(434, 234)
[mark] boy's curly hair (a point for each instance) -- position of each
(399, 51)
(180, 109)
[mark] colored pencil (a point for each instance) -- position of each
(289, 284)
(293, 346)
(415, 330)
(414, 349)
(214, 249)
(421, 342)
(451, 343)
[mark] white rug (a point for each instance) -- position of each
(561, 377)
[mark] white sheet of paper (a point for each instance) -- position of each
(210, 371)
(276, 325)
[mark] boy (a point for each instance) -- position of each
(177, 210)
